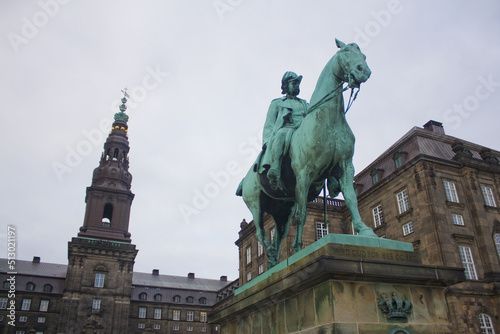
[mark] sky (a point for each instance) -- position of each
(201, 75)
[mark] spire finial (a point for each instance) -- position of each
(121, 115)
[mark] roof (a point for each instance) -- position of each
(35, 269)
(177, 282)
(417, 142)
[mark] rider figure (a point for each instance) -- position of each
(283, 118)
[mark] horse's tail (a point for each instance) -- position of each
(239, 191)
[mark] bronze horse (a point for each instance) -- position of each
(321, 148)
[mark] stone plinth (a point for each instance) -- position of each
(332, 287)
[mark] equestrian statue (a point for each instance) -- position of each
(302, 146)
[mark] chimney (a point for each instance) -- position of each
(434, 126)
(223, 278)
(156, 272)
(191, 275)
(36, 259)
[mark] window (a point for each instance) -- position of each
(457, 219)
(378, 217)
(157, 313)
(156, 326)
(96, 304)
(177, 299)
(203, 329)
(272, 232)
(203, 300)
(321, 230)
(20, 332)
(189, 328)
(189, 316)
(398, 159)
(177, 315)
(30, 286)
(6, 284)
(47, 288)
(190, 300)
(451, 191)
(44, 306)
(408, 228)
(403, 202)
(260, 249)
(23, 318)
(249, 276)
(497, 242)
(203, 316)
(142, 312)
(467, 262)
(3, 303)
(158, 297)
(489, 200)
(141, 326)
(485, 324)
(26, 305)
(175, 328)
(249, 255)
(99, 280)
(41, 320)
(143, 296)
(375, 176)
(261, 268)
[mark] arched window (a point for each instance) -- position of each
(115, 154)
(177, 299)
(143, 296)
(30, 286)
(203, 300)
(485, 324)
(158, 297)
(107, 215)
(190, 300)
(47, 288)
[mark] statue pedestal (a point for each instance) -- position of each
(343, 284)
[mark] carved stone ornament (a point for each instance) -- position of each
(395, 307)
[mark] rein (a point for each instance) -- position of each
(334, 94)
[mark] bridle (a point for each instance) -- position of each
(335, 92)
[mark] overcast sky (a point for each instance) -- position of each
(201, 75)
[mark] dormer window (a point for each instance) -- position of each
(398, 158)
(376, 175)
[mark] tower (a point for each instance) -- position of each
(101, 258)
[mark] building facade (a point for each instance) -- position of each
(98, 291)
(435, 191)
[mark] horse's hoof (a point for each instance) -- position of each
(367, 232)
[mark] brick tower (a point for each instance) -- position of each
(101, 258)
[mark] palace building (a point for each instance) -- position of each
(437, 192)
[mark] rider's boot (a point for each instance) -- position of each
(274, 178)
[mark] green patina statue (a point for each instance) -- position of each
(303, 146)
(284, 116)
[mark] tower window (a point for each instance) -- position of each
(115, 154)
(107, 215)
(99, 280)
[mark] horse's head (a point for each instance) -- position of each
(353, 64)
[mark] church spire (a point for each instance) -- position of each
(109, 197)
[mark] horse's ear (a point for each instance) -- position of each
(340, 44)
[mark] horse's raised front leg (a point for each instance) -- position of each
(347, 187)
